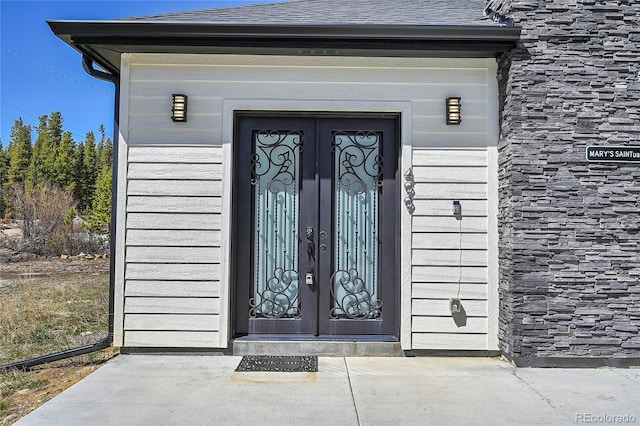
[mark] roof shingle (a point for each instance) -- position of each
(339, 12)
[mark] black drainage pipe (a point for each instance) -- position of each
(56, 356)
(87, 65)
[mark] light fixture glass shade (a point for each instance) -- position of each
(179, 108)
(454, 110)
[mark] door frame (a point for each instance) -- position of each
(238, 232)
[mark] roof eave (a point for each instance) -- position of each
(104, 41)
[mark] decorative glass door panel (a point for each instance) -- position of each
(315, 213)
(275, 170)
(357, 165)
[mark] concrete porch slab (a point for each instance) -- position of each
(205, 390)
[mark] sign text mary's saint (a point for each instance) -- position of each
(615, 154)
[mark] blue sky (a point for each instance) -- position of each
(40, 74)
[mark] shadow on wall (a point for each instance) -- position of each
(458, 313)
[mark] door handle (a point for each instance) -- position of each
(311, 246)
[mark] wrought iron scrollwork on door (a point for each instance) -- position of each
(351, 297)
(275, 169)
(278, 298)
(276, 151)
(358, 182)
(359, 159)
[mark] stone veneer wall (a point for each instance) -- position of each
(569, 230)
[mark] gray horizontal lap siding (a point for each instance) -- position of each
(172, 273)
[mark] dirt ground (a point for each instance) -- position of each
(23, 264)
(47, 381)
(16, 264)
(22, 392)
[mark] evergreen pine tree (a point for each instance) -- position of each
(4, 178)
(105, 149)
(19, 153)
(98, 217)
(41, 150)
(49, 136)
(78, 172)
(64, 164)
(54, 128)
(54, 137)
(55, 159)
(89, 171)
(4, 165)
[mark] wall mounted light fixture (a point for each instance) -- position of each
(454, 110)
(179, 108)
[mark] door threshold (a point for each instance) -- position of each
(322, 338)
(249, 345)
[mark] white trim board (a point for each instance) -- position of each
(121, 203)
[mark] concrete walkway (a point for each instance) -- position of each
(205, 390)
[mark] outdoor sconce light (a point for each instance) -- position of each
(179, 108)
(454, 111)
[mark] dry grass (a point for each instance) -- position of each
(42, 315)
(38, 316)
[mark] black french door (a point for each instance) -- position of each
(315, 221)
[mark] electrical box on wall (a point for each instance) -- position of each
(455, 305)
(457, 208)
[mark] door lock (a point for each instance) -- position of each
(308, 279)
